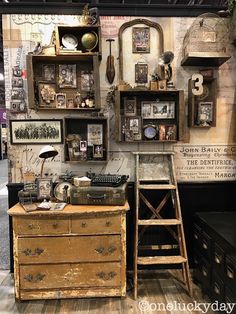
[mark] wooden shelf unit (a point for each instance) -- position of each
(177, 119)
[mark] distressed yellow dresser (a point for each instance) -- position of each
(77, 252)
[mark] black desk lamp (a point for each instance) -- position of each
(46, 152)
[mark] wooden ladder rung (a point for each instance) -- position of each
(159, 247)
(152, 260)
(159, 222)
(157, 187)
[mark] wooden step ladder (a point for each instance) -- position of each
(154, 172)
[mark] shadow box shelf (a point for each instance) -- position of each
(78, 40)
(86, 139)
(63, 82)
(202, 108)
(150, 116)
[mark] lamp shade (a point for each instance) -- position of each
(48, 151)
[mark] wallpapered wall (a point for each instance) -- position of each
(21, 32)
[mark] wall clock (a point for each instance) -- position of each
(150, 131)
(62, 191)
(69, 41)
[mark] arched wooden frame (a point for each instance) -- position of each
(131, 23)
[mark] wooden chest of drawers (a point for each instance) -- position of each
(77, 252)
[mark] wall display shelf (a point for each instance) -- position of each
(63, 82)
(202, 108)
(150, 116)
(86, 139)
(77, 40)
(208, 59)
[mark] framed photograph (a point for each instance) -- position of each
(95, 134)
(73, 144)
(87, 81)
(133, 129)
(18, 106)
(130, 108)
(36, 131)
(170, 132)
(141, 73)
(44, 189)
(141, 39)
(67, 76)
(48, 72)
(70, 103)
(17, 94)
(146, 109)
(205, 113)
(61, 100)
(77, 100)
(83, 146)
(97, 151)
(47, 94)
(17, 82)
(163, 110)
(17, 71)
(167, 132)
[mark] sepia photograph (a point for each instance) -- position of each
(18, 106)
(163, 110)
(67, 76)
(146, 109)
(141, 73)
(36, 131)
(44, 189)
(95, 134)
(205, 113)
(87, 81)
(61, 100)
(141, 39)
(48, 72)
(70, 103)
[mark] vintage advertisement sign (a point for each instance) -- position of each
(199, 163)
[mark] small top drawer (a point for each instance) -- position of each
(230, 272)
(40, 225)
(218, 258)
(110, 224)
(205, 244)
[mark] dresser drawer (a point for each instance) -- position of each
(69, 249)
(96, 225)
(205, 244)
(40, 226)
(217, 288)
(218, 258)
(70, 275)
(230, 272)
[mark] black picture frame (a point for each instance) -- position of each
(36, 132)
(141, 73)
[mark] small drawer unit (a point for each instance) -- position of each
(77, 252)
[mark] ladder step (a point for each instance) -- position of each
(152, 260)
(159, 222)
(157, 187)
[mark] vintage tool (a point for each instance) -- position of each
(110, 70)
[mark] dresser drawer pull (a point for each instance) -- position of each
(55, 225)
(104, 251)
(31, 226)
(218, 259)
(216, 288)
(83, 224)
(204, 272)
(108, 223)
(104, 276)
(36, 278)
(37, 251)
(230, 272)
(195, 236)
(204, 245)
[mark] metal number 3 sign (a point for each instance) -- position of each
(197, 81)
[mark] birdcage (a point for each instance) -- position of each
(208, 37)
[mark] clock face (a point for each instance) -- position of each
(61, 190)
(150, 132)
(69, 41)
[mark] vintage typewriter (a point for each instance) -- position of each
(112, 180)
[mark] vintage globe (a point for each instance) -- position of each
(89, 40)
